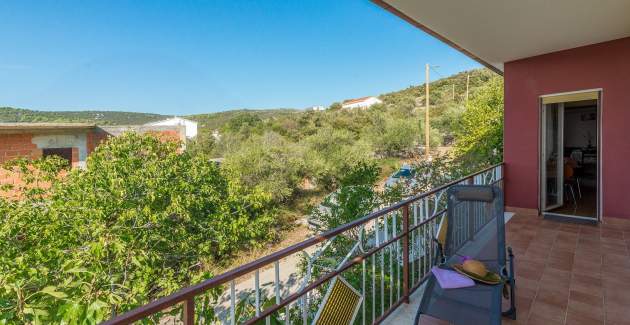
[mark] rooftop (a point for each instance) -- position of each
(21, 127)
(356, 100)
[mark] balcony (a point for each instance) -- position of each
(566, 273)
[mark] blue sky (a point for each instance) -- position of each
(187, 57)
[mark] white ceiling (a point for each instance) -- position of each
(499, 31)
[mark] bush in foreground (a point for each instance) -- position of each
(138, 223)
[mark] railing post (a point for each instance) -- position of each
(405, 243)
(189, 311)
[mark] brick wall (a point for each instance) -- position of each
(166, 135)
(13, 146)
(94, 138)
(20, 145)
(17, 145)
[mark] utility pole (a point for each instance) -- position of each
(427, 125)
(467, 83)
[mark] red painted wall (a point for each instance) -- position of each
(605, 65)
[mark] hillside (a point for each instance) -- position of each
(444, 99)
(9, 114)
(218, 120)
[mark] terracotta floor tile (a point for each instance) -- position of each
(565, 246)
(589, 252)
(526, 283)
(524, 292)
(587, 288)
(586, 267)
(537, 251)
(587, 240)
(569, 229)
(609, 322)
(561, 254)
(616, 312)
(586, 306)
(586, 299)
(614, 249)
(553, 297)
(617, 295)
(591, 279)
(578, 319)
(539, 320)
(609, 233)
(547, 311)
(560, 264)
(557, 274)
(566, 276)
(610, 259)
(567, 236)
(615, 277)
(529, 272)
(531, 261)
(588, 229)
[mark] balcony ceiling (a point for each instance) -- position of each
(498, 31)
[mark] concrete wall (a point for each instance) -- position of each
(606, 66)
(76, 141)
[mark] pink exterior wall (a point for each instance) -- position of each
(605, 65)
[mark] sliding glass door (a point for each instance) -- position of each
(552, 163)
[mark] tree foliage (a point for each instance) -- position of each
(268, 162)
(138, 223)
(480, 134)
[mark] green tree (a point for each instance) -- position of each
(394, 137)
(330, 152)
(141, 221)
(335, 106)
(268, 162)
(479, 138)
(354, 198)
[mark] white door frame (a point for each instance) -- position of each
(600, 147)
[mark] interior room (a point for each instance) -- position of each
(580, 152)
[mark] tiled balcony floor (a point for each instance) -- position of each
(571, 274)
(566, 273)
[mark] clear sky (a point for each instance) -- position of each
(187, 57)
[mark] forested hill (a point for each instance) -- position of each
(9, 114)
(446, 93)
(220, 119)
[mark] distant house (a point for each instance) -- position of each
(72, 141)
(317, 108)
(191, 126)
(363, 102)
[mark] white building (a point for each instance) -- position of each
(317, 108)
(363, 102)
(190, 126)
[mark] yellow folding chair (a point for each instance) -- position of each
(340, 304)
